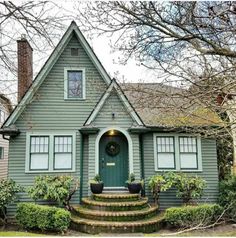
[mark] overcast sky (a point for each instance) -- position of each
(131, 72)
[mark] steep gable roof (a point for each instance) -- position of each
(124, 100)
(73, 28)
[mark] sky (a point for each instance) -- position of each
(131, 72)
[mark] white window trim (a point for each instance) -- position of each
(51, 151)
(2, 153)
(177, 154)
(66, 69)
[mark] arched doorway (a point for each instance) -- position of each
(113, 158)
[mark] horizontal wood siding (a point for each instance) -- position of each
(85, 166)
(48, 111)
(209, 172)
(5, 144)
(4, 160)
(123, 120)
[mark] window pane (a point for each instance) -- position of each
(188, 161)
(165, 144)
(63, 161)
(39, 144)
(75, 84)
(1, 152)
(39, 161)
(2, 116)
(166, 161)
(188, 144)
(63, 144)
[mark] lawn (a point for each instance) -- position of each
(18, 233)
(222, 230)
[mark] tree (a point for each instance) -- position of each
(190, 44)
(41, 21)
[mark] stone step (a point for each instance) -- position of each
(115, 206)
(116, 216)
(116, 197)
(94, 227)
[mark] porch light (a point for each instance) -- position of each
(111, 132)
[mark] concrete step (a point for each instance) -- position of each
(115, 216)
(92, 226)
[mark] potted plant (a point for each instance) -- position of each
(96, 184)
(133, 185)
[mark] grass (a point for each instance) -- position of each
(18, 233)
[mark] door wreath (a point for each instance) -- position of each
(112, 148)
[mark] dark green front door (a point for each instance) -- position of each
(113, 160)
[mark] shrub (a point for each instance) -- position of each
(32, 216)
(188, 187)
(191, 216)
(227, 196)
(8, 194)
(157, 184)
(54, 188)
(132, 179)
(96, 180)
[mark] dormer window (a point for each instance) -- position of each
(74, 83)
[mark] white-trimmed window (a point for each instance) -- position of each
(50, 152)
(74, 83)
(1, 152)
(188, 152)
(177, 152)
(165, 152)
(62, 152)
(2, 116)
(39, 152)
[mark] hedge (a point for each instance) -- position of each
(32, 216)
(190, 216)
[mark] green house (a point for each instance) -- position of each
(74, 119)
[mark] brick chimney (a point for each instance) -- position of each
(25, 66)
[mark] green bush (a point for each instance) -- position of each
(190, 216)
(45, 218)
(8, 194)
(157, 184)
(188, 187)
(54, 188)
(227, 196)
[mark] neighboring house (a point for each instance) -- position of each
(75, 120)
(5, 110)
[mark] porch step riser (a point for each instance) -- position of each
(115, 208)
(95, 229)
(115, 199)
(118, 218)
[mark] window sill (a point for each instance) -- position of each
(182, 170)
(74, 99)
(49, 171)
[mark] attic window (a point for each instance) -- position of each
(74, 83)
(74, 51)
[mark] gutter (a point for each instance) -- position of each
(8, 132)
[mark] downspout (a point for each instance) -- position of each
(81, 165)
(142, 162)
